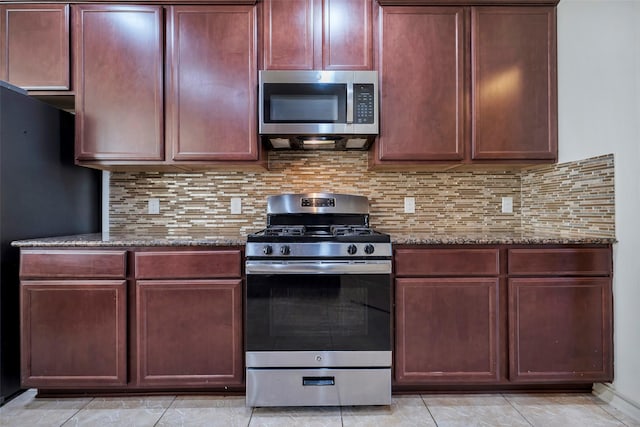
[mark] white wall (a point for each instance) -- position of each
(599, 113)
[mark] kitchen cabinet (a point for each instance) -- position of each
(317, 34)
(212, 76)
(34, 46)
(188, 318)
(482, 90)
(503, 315)
(73, 318)
(422, 88)
(560, 315)
(514, 83)
(211, 79)
(447, 316)
(119, 74)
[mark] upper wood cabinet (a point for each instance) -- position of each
(212, 83)
(466, 85)
(422, 72)
(514, 83)
(119, 74)
(317, 34)
(34, 46)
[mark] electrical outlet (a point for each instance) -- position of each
(410, 205)
(507, 205)
(236, 205)
(154, 206)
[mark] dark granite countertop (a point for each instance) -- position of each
(498, 239)
(98, 240)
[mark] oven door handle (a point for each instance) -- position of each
(319, 267)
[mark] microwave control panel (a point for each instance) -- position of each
(363, 103)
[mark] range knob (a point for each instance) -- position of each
(352, 249)
(267, 250)
(285, 250)
(369, 249)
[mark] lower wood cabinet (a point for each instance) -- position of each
(189, 332)
(560, 329)
(73, 307)
(188, 318)
(503, 315)
(560, 314)
(73, 333)
(125, 320)
(446, 330)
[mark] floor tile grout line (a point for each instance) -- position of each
(75, 413)
(603, 408)
(165, 410)
(517, 410)
(428, 409)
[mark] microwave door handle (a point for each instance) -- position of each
(349, 103)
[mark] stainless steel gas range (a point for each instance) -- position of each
(318, 304)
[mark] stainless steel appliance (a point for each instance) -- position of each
(42, 193)
(318, 305)
(335, 110)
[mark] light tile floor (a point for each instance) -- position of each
(544, 410)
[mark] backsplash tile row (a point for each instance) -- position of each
(197, 204)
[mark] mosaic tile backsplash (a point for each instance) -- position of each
(197, 204)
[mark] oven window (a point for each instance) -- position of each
(318, 312)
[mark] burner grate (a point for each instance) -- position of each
(350, 230)
(291, 230)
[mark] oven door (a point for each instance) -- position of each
(318, 307)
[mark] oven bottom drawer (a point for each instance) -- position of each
(318, 387)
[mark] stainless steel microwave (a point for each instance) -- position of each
(318, 109)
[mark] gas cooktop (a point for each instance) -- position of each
(321, 225)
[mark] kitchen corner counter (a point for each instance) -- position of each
(98, 240)
(498, 239)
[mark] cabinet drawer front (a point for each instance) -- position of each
(562, 261)
(447, 262)
(73, 264)
(188, 264)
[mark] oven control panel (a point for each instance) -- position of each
(317, 202)
(320, 250)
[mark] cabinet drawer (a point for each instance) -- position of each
(562, 261)
(446, 262)
(188, 264)
(73, 264)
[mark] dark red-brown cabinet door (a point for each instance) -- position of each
(189, 332)
(212, 83)
(288, 34)
(422, 114)
(347, 35)
(514, 83)
(34, 46)
(560, 329)
(119, 91)
(446, 330)
(73, 333)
